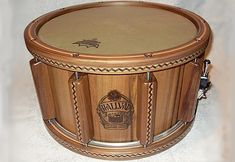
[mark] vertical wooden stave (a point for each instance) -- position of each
(61, 92)
(178, 93)
(43, 88)
(80, 96)
(100, 85)
(189, 91)
(146, 110)
(166, 105)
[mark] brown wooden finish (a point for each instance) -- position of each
(169, 83)
(80, 95)
(134, 63)
(147, 109)
(43, 89)
(157, 103)
(179, 81)
(118, 106)
(188, 99)
(101, 85)
(117, 153)
(61, 93)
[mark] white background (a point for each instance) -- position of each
(23, 137)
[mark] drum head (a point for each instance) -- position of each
(117, 37)
(117, 30)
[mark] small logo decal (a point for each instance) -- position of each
(115, 111)
(88, 43)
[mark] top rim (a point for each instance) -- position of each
(36, 46)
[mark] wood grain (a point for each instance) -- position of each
(179, 81)
(43, 88)
(100, 85)
(61, 93)
(168, 85)
(188, 98)
(80, 95)
(147, 109)
(118, 153)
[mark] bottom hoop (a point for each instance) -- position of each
(162, 142)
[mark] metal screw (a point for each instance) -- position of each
(206, 65)
(77, 75)
(148, 76)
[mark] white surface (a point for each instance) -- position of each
(23, 137)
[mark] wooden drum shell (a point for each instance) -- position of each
(119, 107)
(71, 103)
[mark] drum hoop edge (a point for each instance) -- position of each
(120, 70)
(181, 132)
(36, 46)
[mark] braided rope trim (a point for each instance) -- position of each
(75, 105)
(91, 69)
(119, 156)
(149, 111)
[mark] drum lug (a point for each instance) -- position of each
(77, 75)
(36, 59)
(205, 83)
(81, 102)
(147, 109)
(148, 76)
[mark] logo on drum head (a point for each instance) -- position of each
(88, 43)
(115, 111)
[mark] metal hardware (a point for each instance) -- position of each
(148, 76)
(156, 138)
(77, 75)
(204, 82)
(94, 143)
(114, 144)
(148, 55)
(206, 65)
(61, 128)
(36, 59)
(169, 131)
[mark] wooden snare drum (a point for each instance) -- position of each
(117, 80)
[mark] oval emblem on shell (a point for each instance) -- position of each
(115, 111)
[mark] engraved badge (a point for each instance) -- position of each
(88, 43)
(115, 111)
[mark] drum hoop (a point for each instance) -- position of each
(120, 70)
(117, 63)
(161, 143)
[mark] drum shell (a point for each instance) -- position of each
(73, 100)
